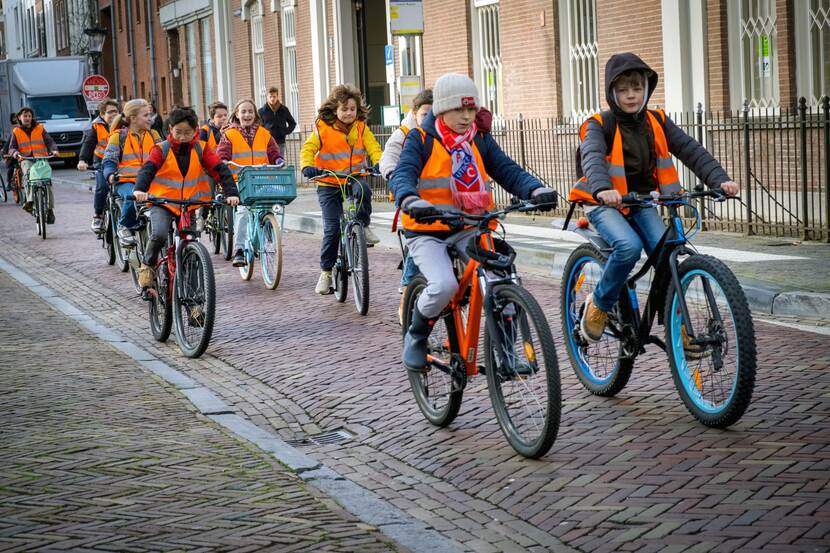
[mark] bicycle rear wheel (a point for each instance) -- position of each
(270, 254)
(161, 313)
(360, 268)
(226, 217)
(437, 394)
(522, 371)
(122, 257)
(194, 300)
(213, 226)
(604, 367)
(340, 275)
(40, 210)
(135, 255)
(3, 191)
(108, 237)
(716, 378)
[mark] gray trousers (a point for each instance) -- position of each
(431, 257)
(160, 220)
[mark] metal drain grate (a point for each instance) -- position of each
(325, 438)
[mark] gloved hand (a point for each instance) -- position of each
(311, 172)
(280, 162)
(376, 168)
(546, 198)
(418, 208)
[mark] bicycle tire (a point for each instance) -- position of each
(3, 190)
(195, 271)
(340, 275)
(691, 376)
(227, 231)
(213, 227)
(270, 255)
(141, 238)
(602, 381)
(247, 271)
(107, 237)
(443, 344)
(40, 211)
(121, 257)
(360, 268)
(161, 305)
(19, 192)
(513, 382)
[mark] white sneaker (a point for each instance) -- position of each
(371, 237)
(324, 284)
(125, 237)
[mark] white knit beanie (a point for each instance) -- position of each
(454, 91)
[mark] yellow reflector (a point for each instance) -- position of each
(531, 355)
(579, 282)
(698, 382)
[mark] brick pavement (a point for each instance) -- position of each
(630, 473)
(98, 455)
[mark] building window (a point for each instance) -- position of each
(409, 47)
(580, 64)
(753, 52)
(192, 66)
(487, 52)
(207, 61)
(258, 52)
(61, 25)
(289, 44)
(812, 35)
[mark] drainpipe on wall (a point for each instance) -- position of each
(222, 40)
(148, 13)
(132, 45)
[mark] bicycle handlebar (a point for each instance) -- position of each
(633, 199)
(219, 200)
(482, 219)
(35, 158)
(260, 166)
(345, 176)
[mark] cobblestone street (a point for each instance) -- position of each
(133, 467)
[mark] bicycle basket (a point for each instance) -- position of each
(267, 185)
(40, 170)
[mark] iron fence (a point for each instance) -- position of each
(779, 157)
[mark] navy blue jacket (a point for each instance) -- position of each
(499, 167)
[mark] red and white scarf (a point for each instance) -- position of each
(469, 192)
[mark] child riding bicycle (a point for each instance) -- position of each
(628, 149)
(342, 143)
(92, 154)
(178, 169)
(30, 139)
(447, 166)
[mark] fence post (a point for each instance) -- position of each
(825, 107)
(747, 171)
(802, 158)
(522, 142)
(699, 185)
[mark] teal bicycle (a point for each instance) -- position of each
(265, 190)
(39, 179)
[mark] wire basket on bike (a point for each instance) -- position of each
(267, 185)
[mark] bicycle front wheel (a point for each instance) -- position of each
(340, 275)
(226, 217)
(3, 191)
(135, 255)
(360, 268)
(437, 394)
(194, 300)
(522, 371)
(108, 236)
(270, 256)
(603, 367)
(40, 210)
(714, 372)
(161, 312)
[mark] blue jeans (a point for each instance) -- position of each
(627, 235)
(128, 218)
(99, 200)
(331, 202)
(409, 270)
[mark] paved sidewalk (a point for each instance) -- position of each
(99, 455)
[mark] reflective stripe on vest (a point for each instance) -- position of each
(170, 183)
(435, 182)
(32, 144)
(665, 174)
(133, 154)
(103, 134)
(336, 154)
(243, 154)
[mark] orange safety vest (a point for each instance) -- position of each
(336, 154)
(434, 185)
(211, 138)
(665, 174)
(243, 154)
(103, 133)
(134, 154)
(32, 144)
(170, 183)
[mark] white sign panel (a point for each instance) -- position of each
(406, 17)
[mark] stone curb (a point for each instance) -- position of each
(761, 297)
(359, 501)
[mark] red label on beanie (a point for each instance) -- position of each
(468, 102)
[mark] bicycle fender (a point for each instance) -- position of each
(594, 238)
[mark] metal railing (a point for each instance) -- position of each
(780, 158)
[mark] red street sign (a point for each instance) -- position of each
(96, 88)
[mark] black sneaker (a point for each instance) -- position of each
(50, 217)
(239, 259)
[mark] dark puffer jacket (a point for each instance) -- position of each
(638, 139)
